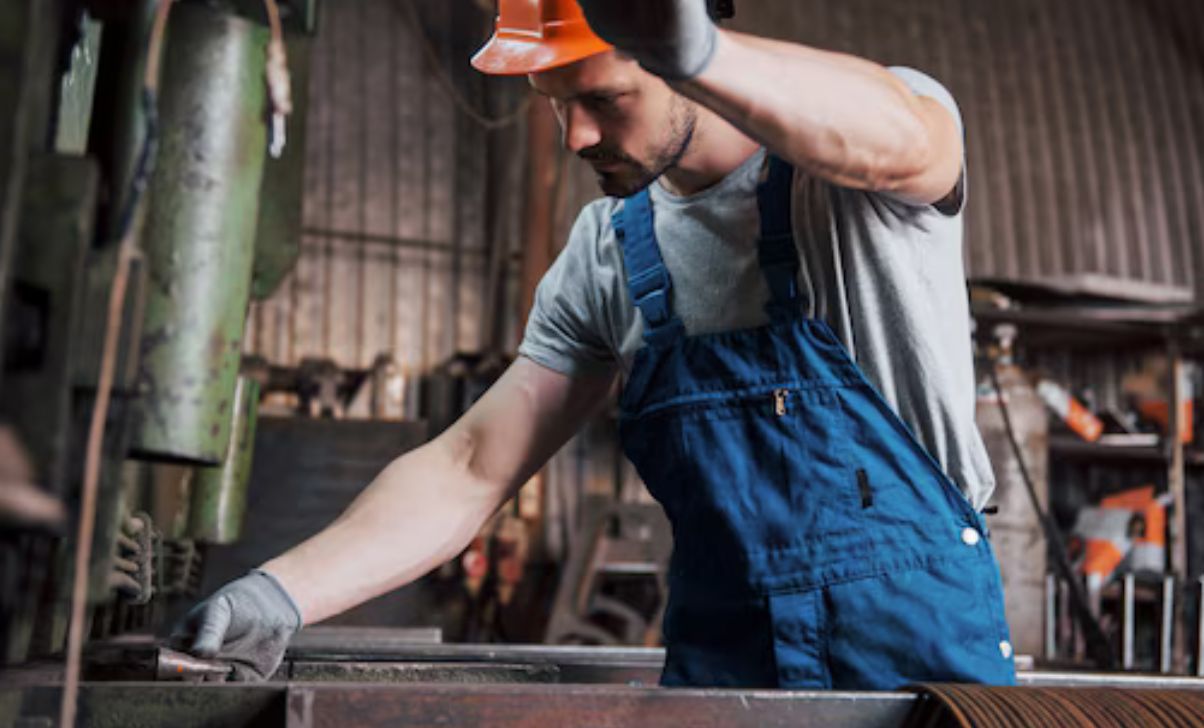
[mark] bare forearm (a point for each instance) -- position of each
(841, 118)
(422, 510)
(427, 505)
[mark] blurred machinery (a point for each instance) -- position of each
(162, 180)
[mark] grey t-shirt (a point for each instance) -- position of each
(887, 276)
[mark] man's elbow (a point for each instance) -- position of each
(925, 161)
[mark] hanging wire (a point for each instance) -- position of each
(127, 254)
(1097, 642)
(406, 9)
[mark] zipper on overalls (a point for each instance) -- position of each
(779, 401)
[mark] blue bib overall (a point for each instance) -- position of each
(817, 544)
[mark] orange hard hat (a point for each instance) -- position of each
(535, 35)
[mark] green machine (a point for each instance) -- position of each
(220, 220)
(199, 238)
(221, 225)
(219, 493)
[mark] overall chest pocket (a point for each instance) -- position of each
(760, 474)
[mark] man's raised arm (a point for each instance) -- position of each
(845, 119)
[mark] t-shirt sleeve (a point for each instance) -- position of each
(565, 329)
(922, 84)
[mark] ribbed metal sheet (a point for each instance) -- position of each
(1085, 141)
(1084, 122)
(395, 247)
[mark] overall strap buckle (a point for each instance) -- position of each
(648, 280)
(775, 247)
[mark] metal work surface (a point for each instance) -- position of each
(357, 654)
(566, 664)
(428, 684)
(479, 673)
(301, 705)
(589, 706)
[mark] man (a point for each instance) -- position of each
(791, 327)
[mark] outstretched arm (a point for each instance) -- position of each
(419, 512)
(427, 505)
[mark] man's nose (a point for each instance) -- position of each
(580, 131)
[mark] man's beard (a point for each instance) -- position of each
(630, 175)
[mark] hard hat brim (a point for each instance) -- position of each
(506, 55)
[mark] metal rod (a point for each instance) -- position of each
(1096, 641)
(173, 665)
(1176, 486)
(392, 241)
(1166, 646)
(1127, 618)
(1200, 630)
(1051, 616)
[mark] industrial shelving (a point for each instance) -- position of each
(1178, 332)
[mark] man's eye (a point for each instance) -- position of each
(604, 101)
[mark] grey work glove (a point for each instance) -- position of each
(675, 39)
(246, 623)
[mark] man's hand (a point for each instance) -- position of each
(675, 39)
(247, 623)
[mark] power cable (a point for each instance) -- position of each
(1097, 642)
(406, 9)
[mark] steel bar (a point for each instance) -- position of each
(554, 654)
(320, 705)
(478, 673)
(1128, 618)
(1054, 679)
(171, 665)
(135, 659)
(577, 665)
(1176, 486)
(1051, 616)
(533, 705)
(219, 492)
(1200, 628)
(1167, 626)
(361, 640)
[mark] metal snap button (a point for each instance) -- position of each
(1005, 649)
(970, 536)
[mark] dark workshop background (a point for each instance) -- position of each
(434, 198)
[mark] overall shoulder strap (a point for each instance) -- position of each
(775, 246)
(648, 279)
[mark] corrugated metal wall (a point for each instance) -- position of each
(406, 196)
(1084, 119)
(1085, 138)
